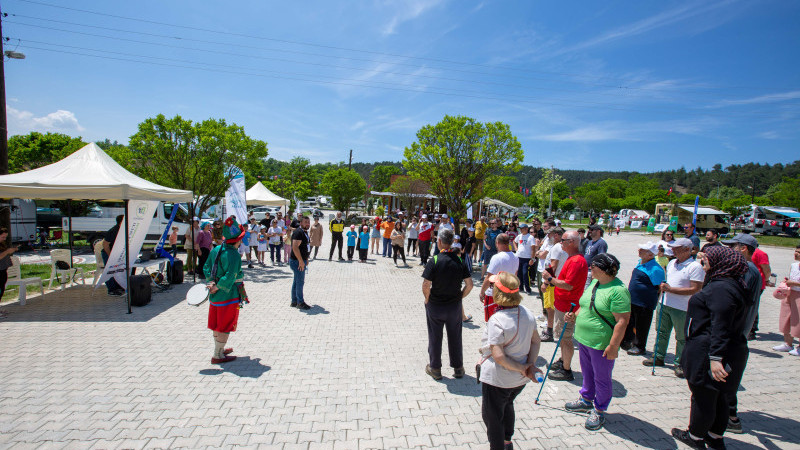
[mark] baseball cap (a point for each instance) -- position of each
(523, 225)
(471, 229)
(424, 216)
(682, 242)
(742, 238)
(352, 226)
(652, 247)
(594, 227)
(444, 215)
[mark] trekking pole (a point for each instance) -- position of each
(658, 330)
(558, 345)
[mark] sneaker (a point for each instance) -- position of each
(468, 319)
(579, 405)
(304, 306)
(783, 348)
(679, 372)
(227, 358)
(508, 446)
(436, 374)
(683, 436)
(751, 336)
(459, 372)
(649, 362)
(250, 265)
(595, 420)
(734, 426)
(547, 337)
(636, 351)
(557, 365)
(716, 444)
(562, 374)
(293, 305)
(795, 352)
(626, 345)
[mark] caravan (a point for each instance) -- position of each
(708, 218)
(771, 220)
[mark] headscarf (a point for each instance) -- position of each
(725, 263)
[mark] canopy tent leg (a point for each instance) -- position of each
(127, 261)
(194, 255)
(69, 232)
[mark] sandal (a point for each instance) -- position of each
(468, 319)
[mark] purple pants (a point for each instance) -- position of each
(596, 371)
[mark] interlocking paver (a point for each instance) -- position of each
(76, 371)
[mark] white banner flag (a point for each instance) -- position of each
(140, 214)
(469, 211)
(235, 202)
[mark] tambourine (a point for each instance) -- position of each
(197, 295)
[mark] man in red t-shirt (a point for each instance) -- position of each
(568, 289)
(761, 260)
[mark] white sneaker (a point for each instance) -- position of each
(782, 348)
(795, 352)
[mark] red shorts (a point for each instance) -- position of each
(489, 306)
(223, 319)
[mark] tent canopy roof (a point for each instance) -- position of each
(788, 212)
(260, 195)
(89, 174)
(704, 210)
(491, 201)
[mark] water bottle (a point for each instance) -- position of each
(539, 377)
(773, 279)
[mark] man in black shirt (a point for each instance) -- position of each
(298, 260)
(443, 293)
(712, 239)
(108, 243)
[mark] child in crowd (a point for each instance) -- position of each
(173, 241)
(351, 242)
(262, 245)
(363, 244)
(274, 234)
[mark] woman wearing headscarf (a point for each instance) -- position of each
(600, 324)
(205, 242)
(716, 347)
(510, 346)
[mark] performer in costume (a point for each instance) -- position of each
(226, 288)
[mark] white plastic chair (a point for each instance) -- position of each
(15, 279)
(98, 257)
(55, 273)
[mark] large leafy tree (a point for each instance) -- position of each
(30, 151)
(542, 189)
(295, 180)
(381, 176)
(195, 156)
(785, 193)
(344, 187)
(459, 157)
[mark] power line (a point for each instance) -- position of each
(353, 83)
(331, 47)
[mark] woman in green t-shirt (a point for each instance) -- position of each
(600, 325)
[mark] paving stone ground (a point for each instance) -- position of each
(77, 371)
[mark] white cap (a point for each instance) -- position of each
(471, 229)
(652, 247)
(444, 215)
(424, 216)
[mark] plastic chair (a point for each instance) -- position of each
(55, 273)
(98, 257)
(15, 279)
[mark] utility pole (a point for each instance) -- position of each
(350, 164)
(5, 213)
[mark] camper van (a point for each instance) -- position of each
(708, 218)
(771, 220)
(23, 220)
(100, 220)
(628, 215)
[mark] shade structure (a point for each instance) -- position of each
(704, 210)
(260, 195)
(87, 174)
(491, 201)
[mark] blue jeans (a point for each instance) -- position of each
(387, 247)
(298, 282)
(522, 274)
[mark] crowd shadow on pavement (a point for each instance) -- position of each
(86, 304)
(770, 336)
(244, 367)
(633, 429)
(764, 353)
(465, 386)
(768, 428)
(315, 309)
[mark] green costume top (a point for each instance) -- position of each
(228, 272)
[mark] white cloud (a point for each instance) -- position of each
(769, 98)
(769, 135)
(408, 11)
(622, 131)
(23, 122)
(587, 134)
(358, 125)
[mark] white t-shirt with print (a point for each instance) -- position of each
(547, 243)
(524, 243)
(500, 330)
(558, 253)
(502, 262)
(681, 275)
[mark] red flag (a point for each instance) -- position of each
(669, 192)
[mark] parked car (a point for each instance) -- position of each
(260, 213)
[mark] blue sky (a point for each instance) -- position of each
(591, 85)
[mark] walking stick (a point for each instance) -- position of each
(558, 345)
(658, 331)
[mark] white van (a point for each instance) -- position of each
(94, 227)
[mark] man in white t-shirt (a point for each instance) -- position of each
(525, 242)
(684, 278)
(556, 257)
(503, 261)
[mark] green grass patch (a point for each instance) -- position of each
(778, 241)
(42, 271)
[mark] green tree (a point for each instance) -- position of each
(381, 176)
(542, 189)
(344, 187)
(785, 193)
(567, 204)
(194, 156)
(591, 198)
(725, 193)
(33, 150)
(296, 181)
(458, 157)
(614, 187)
(410, 191)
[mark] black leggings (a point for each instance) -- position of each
(412, 244)
(497, 409)
(351, 249)
(639, 326)
(709, 411)
(204, 252)
(395, 250)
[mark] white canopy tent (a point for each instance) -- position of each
(260, 195)
(88, 174)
